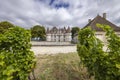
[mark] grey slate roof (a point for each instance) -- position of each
(55, 30)
(101, 20)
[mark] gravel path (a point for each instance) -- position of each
(53, 49)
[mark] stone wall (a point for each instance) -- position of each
(47, 43)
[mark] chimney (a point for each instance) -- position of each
(89, 20)
(104, 15)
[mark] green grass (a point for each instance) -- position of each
(60, 67)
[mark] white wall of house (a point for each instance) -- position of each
(101, 36)
(118, 33)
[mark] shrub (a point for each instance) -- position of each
(104, 65)
(16, 59)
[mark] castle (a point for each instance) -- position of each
(58, 34)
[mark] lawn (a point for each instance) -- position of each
(60, 67)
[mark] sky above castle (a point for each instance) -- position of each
(60, 13)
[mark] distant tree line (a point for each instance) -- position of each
(38, 32)
(74, 31)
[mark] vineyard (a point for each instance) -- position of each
(17, 61)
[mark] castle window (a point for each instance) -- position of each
(64, 39)
(64, 36)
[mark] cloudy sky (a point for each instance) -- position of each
(60, 13)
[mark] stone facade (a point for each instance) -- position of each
(58, 35)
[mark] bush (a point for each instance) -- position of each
(16, 59)
(104, 65)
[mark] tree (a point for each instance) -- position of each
(74, 31)
(5, 25)
(38, 31)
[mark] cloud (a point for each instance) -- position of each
(27, 13)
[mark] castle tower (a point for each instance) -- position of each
(68, 34)
(48, 35)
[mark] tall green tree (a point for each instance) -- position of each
(38, 31)
(74, 31)
(5, 25)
